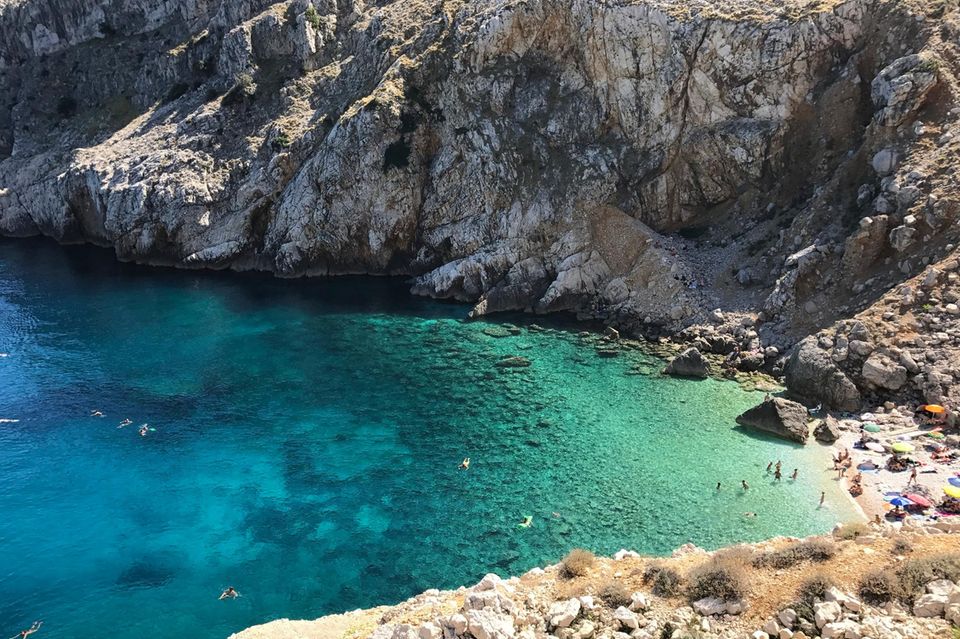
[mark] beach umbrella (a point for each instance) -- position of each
(935, 435)
(954, 481)
(870, 427)
(936, 409)
(900, 502)
(875, 447)
(902, 447)
(919, 500)
(952, 491)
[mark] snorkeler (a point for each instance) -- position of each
(465, 464)
(229, 593)
(96, 413)
(125, 422)
(29, 631)
(527, 522)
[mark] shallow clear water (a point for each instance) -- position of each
(306, 449)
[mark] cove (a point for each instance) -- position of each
(306, 443)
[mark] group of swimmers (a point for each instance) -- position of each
(143, 430)
(777, 475)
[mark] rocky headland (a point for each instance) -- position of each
(773, 181)
(860, 582)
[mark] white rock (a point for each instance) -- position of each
(929, 605)
(785, 633)
(638, 601)
(489, 582)
(787, 617)
(709, 606)
(772, 628)
(563, 613)
(940, 587)
(627, 618)
(850, 603)
(487, 624)
(457, 622)
(826, 612)
(847, 629)
(759, 634)
(430, 630)
(623, 553)
(587, 603)
(586, 630)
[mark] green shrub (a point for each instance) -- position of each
(577, 563)
(281, 141)
(312, 16)
(720, 577)
(615, 594)
(815, 550)
(879, 586)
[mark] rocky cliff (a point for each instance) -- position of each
(640, 161)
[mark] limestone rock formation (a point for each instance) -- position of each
(827, 431)
(780, 417)
(642, 162)
(689, 363)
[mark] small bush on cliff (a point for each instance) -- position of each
(615, 594)
(721, 577)
(814, 550)
(914, 574)
(312, 16)
(577, 563)
(879, 586)
(664, 581)
(814, 588)
(245, 89)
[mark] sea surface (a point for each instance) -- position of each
(304, 446)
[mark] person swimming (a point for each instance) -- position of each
(718, 485)
(527, 522)
(29, 631)
(749, 514)
(744, 483)
(96, 413)
(144, 430)
(125, 422)
(229, 593)
(769, 466)
(465, 464)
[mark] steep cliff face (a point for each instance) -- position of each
(643, 161)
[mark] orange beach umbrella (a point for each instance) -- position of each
(936, 409)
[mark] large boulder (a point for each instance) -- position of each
(780, 417)
(901, 88)
(811, 374)
(689, 363)
(827, 431)
(882, 372)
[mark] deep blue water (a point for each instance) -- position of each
(306, 443)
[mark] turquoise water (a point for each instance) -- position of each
(306, 448)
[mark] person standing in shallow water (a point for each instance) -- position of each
(823, 497)
(718, 485)
(777, 475)
(744, 483)
(793, 475)
(769, 466)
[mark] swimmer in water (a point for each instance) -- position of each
(718, 485)
(465, 464)
(744, 483)
(229, 593)
(749, 514)
(125, 422)
(29, 631)
(527, 522)
(144, 430)
(96, 413)
(769, 466)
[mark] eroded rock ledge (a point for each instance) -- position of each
(645, 162)
(632, 597)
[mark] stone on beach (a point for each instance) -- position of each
(778, 416)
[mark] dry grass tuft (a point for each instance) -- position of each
(577, 563)
(723, 577)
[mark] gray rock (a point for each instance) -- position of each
(884, 161)
(689, 363)
(900, 89)
(780, 417)
(811, 374)
(827, 431)
(882, 372)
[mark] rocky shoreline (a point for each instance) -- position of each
(786, 589)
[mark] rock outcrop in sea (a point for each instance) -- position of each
(650, 163)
